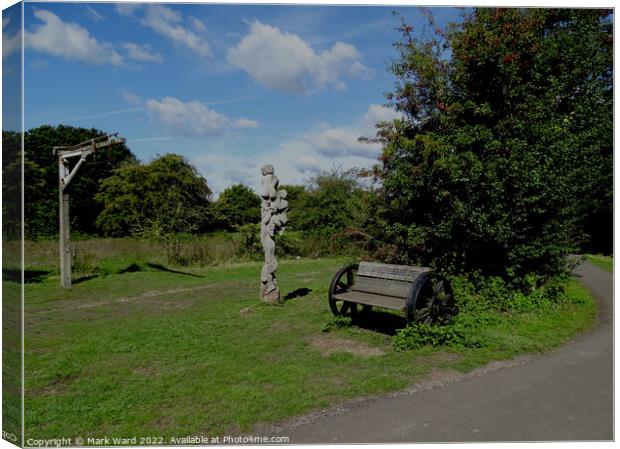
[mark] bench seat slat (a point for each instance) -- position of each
(388, 302)
(384, 287)
(390, 271)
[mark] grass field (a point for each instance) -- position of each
(605, 262)
(159, 351)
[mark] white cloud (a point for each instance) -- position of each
(283, 61)
(126, 9)
(10, 44)
(167, 22)
(246, 123)
(69, 40)
(94, 14)
(307, 164)
(132, 98)
(192, 119)
(332, 142)
(197, 24)
(236, 177)
(141, 53)
(38, 64)
(344, 141)
(377, 113)
(322, 148)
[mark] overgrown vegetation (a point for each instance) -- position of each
(502, 164)
(485, 306)
(96, 257)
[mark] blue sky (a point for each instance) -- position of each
(231, 87)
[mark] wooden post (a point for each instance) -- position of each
(64, 178)
(65, 233)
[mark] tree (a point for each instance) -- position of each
(11, 185)
(296, 197)
(41, 179)
(506, 144)
(332, 202)
(238, 205)
(166, 196)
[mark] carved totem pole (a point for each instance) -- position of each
(273, 219)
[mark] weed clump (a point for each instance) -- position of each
(464, 331)
(482, 303)
(338, 322)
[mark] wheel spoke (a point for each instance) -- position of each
(422, 314)
(438, 288)
(353, 308)
(340, 284)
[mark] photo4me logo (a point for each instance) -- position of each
(227, 439)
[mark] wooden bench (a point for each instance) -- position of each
(422, 294)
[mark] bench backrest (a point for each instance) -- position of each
(386, 279)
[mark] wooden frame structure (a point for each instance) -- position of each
(65, 175)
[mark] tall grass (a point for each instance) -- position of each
(106, 255)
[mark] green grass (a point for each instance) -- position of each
(605, 262)
(157, 352)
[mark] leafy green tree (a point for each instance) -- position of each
(11, 185)
(166, 196)
(236, 206)
(296, 197)
(506, 144)
(332, 201)
(41, 179)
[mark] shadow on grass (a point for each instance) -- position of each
(297, 293)
(84, 279)
(30, 276)
(159, 267)
(379, 321)
(135, 268)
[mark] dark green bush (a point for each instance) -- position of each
(165, 196)
(250, 240)
(482, 302)
(462, 332)
(503, 157)
(495, 294)
(236, 206)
